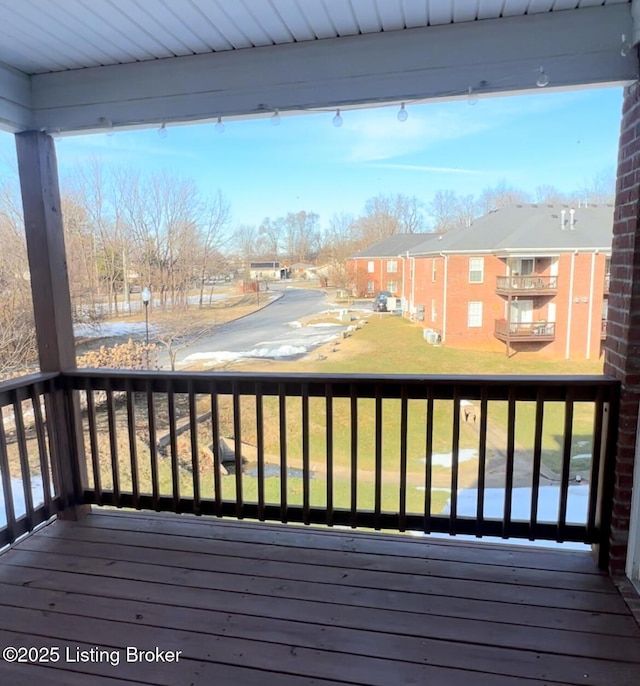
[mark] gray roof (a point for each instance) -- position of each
(395, 245)
(529, 227)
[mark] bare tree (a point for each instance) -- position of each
(245, 241)
(501, 195)
(550, 195)
(213, 226)
(341, 242)
(269, 239)
(180, 333)
(601, 188)
(385, 215)
(17, 330)
(444, 210)
(300, 233)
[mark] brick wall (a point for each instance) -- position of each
(622, 350)
(380, 277)
(460, 292)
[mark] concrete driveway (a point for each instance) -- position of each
(272, 332)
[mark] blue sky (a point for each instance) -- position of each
(305, 163)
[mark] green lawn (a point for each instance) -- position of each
(385, 345)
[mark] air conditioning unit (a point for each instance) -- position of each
(432, 337)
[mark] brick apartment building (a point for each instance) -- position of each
(525, 277)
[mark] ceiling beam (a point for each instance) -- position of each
(15, 100)
(575, 47)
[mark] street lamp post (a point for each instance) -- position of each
(146, 299)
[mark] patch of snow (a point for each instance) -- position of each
(581, 456)
(446, 459)
(106, 329)
(279, 351)
(17, 492)
(548, 503)
(295, 324)
(264, 350)
(323, 325)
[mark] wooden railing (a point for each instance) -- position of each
(29, 461)
(524, 330)
(532, 282)
(383, 452)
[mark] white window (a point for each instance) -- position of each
(371, 286)
(433, 310)
(476, 269)
(370, 266)
(551, 312)
(474, 314)
(392, 266)
(434, 271)
(392, 286)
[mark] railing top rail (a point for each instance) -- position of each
(530, 282)
(389, 385)
(23, 382)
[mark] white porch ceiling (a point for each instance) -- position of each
(73, 64)
(38, 37)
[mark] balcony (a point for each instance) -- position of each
(241, 599)
(244, 601)
(528, 285)
(536, 332)
(603, 329)
(607, 280)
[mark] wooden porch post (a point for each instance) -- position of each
(52, 308)
(622, 346)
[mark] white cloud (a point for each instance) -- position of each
(122, 147)
(425, 168)
(376, 135)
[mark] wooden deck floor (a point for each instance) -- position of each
(250, 604)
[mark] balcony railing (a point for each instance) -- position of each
(607, 282)
(525, 332)
(358, 451)
(603, 329)
(30, 464)
(531, 284)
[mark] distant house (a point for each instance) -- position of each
(267, 270)
(302, 270)
(525, 277)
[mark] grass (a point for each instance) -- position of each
(386, 345)
(392, 345)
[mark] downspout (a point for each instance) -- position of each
(570, 309)
(444, 298)
(590, 316)
(403, 283)
(412, 303)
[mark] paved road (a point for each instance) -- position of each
(269, 330)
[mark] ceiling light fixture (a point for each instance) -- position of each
(403, 115)
(626, 46)
(162, 131)
(543, 79)
(337, 120)
(219, 127)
